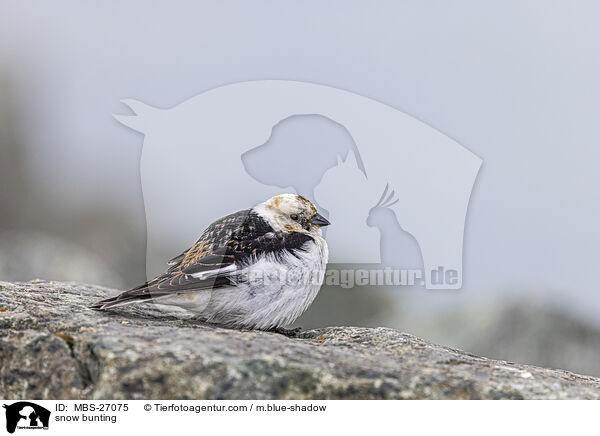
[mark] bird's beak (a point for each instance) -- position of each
(319, 220)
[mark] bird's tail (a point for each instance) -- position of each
(135, 295)
(112, 302)
(117, 301)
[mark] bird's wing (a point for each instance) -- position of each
(236, 239)
(225, 246)
(217, 235)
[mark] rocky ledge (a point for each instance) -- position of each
(52, 346)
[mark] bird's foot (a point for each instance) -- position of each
(291, 333)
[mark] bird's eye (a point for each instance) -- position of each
(294, 217)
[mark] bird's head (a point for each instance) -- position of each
(292, 213)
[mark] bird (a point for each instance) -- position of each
(258, 268)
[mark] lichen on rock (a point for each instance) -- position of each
(52, 346)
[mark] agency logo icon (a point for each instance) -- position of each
(397, 196)
(26, 415)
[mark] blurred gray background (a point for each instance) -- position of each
(516, 82)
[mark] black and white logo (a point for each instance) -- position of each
(26, 415)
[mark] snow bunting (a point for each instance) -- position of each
(258, 268)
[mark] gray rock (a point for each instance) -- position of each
(52, 346)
